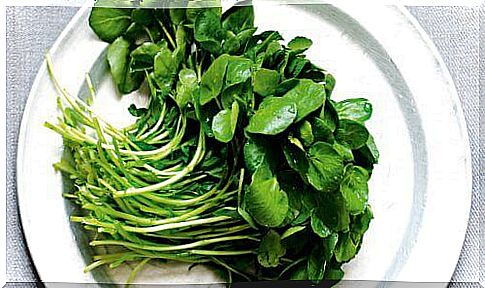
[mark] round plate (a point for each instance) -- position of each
(420, 191)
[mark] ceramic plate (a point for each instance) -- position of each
(420, 191)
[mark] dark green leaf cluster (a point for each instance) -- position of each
(240, 128)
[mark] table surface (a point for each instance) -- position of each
(454, 30)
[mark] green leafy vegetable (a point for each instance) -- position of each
(224, 123)
(265, 201)
(239, 160)
(109, 23)
(273, 116)
(118, 60)
(270, 250)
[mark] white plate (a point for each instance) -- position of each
(420, 191)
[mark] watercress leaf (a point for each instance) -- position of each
(238, 70)
(326, 167)
(137, 112)
(238, 18)
(185, 87)
(357, 109)
(163, 65)
(329, 115)
(109, 23)
(142, 16)
(367, 155)
(204, 113)
(265, 201)
(296, 158)
(329, 244)
(308, 96)
(256, 152)
(208, 31)
(181, 41)
(177, 15)
(329, 84)
(354, 189)
(305, 133)
(273, 116)
(286, 86)
(360, 225)
(119, 63)
(224, 123)
(318, 225)
(295, 66)
(244, 36)
(144, 54)
(316, 264)
(265, 82)
(334, 274)
(231, 45)
(213, 79)
(300, 44)
(352, 134)
(272, 53)
(292, 231)
(270, 250)
(345, 249)
(332, 212)
(344, 151)
(300, 273)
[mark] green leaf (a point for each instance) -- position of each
(344, 151)
(231, 45)
(109, 23)
(291, 231)
(305, 133)
(295, 66)
(208, 31)
(308, 96)
(332, 212)
(185, 87)
(300, 273)
(137, 112)
(326, 167)
(318, 225)
(118, 60)
(355, 190)
(351, 133)
(256, 152)
(300, 44)
(224, 123)
(334, 274)
(345, 249)
(265, 82)
(213, 79)
(265, 201)
(360, 225)
(177, 15)
(329, 84)
(143, 55)
(329, 244)
(270, 250)
(238, 18)
(273, 116)
(357, 109)
(238, 70)
(296, 158)
(142, 16)
(164, 66)
(316, 264)
(329, 116)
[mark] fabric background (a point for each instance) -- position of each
(454, 30)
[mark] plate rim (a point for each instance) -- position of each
(406, 14)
